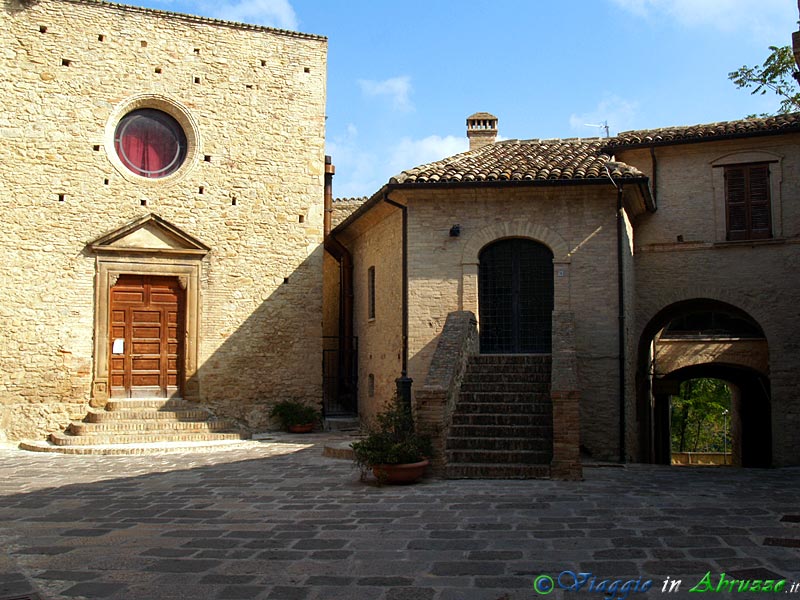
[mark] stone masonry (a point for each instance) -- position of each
(251, 101)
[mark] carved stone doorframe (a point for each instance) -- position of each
(147, 246)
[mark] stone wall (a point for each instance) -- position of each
(252, 101)
(578, 224)
(759, 277)
(380, 339)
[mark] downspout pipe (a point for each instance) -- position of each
(621, 325)
(404, 381)
(342, 255)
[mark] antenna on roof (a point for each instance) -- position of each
(603, 125)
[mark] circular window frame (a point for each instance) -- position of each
(173, 109)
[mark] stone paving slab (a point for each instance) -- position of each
(278, 520)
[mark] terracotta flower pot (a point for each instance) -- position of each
(306, 428)
(400, 474)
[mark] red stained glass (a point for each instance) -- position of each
(150, 143)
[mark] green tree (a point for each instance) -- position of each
(776, 74)
(698, 416)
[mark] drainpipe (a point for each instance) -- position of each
(404, 381)
(654, 163)
(621, 333)
(342, 255)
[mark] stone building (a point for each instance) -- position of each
(162, 177)
(547, 296)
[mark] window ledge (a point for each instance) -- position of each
(738, 243)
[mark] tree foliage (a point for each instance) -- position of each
(698, 419)
(776, 74)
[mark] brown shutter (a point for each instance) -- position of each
(747, 202)
(736, 202)
(760, 218)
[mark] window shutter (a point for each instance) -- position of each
(736, 196)
(760, 218)
(747, 202)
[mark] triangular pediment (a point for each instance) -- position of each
(149, 234)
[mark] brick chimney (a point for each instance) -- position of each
(481, 130)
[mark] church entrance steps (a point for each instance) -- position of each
(146, 421)
(502, 426)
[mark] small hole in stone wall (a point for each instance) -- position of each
(234, 201)
(42, 29)
(143, 202)
(285, 280)
(158, 70)
(197, 50)
(307, 70)
(207, 158)
(143, 44)
(201, 190)
(62, 197)
(105, 182)
(249, 86)
(301, 219)
(65, 62)
(263, 63)
(101, 38)
(197, 80)
(96, 147)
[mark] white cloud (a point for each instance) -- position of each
(620, 114)
(397, 89)
(767, 20)
(272, 13)
(411, 153)
(361, 171)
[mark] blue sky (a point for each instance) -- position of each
(403, 75)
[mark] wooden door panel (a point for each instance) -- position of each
(147, 321)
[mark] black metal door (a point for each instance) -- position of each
(515, 296)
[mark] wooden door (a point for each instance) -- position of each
(147, 334)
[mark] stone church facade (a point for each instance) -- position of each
(162, 178)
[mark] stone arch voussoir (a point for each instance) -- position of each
(521, 228)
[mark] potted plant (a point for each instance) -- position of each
(295, 416)
(392, 449)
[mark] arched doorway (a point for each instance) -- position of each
(704, 338)
(515, 297)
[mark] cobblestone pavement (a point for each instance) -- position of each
(277, 520)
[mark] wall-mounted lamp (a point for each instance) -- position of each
(455, 231)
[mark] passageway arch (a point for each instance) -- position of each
(704, 338)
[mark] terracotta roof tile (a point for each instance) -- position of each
(710, 131)
(529, 160)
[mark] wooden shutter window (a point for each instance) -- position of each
(748, 202)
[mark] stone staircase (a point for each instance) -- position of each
(502, 426)
(147, 422)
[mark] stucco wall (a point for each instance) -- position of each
(252, 192)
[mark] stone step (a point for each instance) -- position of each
(496, 471)
(151, 426)
(128, 414)
(136, 449)
(515, 430)
(513, 387)
(506, 397)
(65, 439)
(508, 369)
(492, 408)
(528, 457)
(148, 403)
(500, 378)
(514, 419)
(508, 444)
